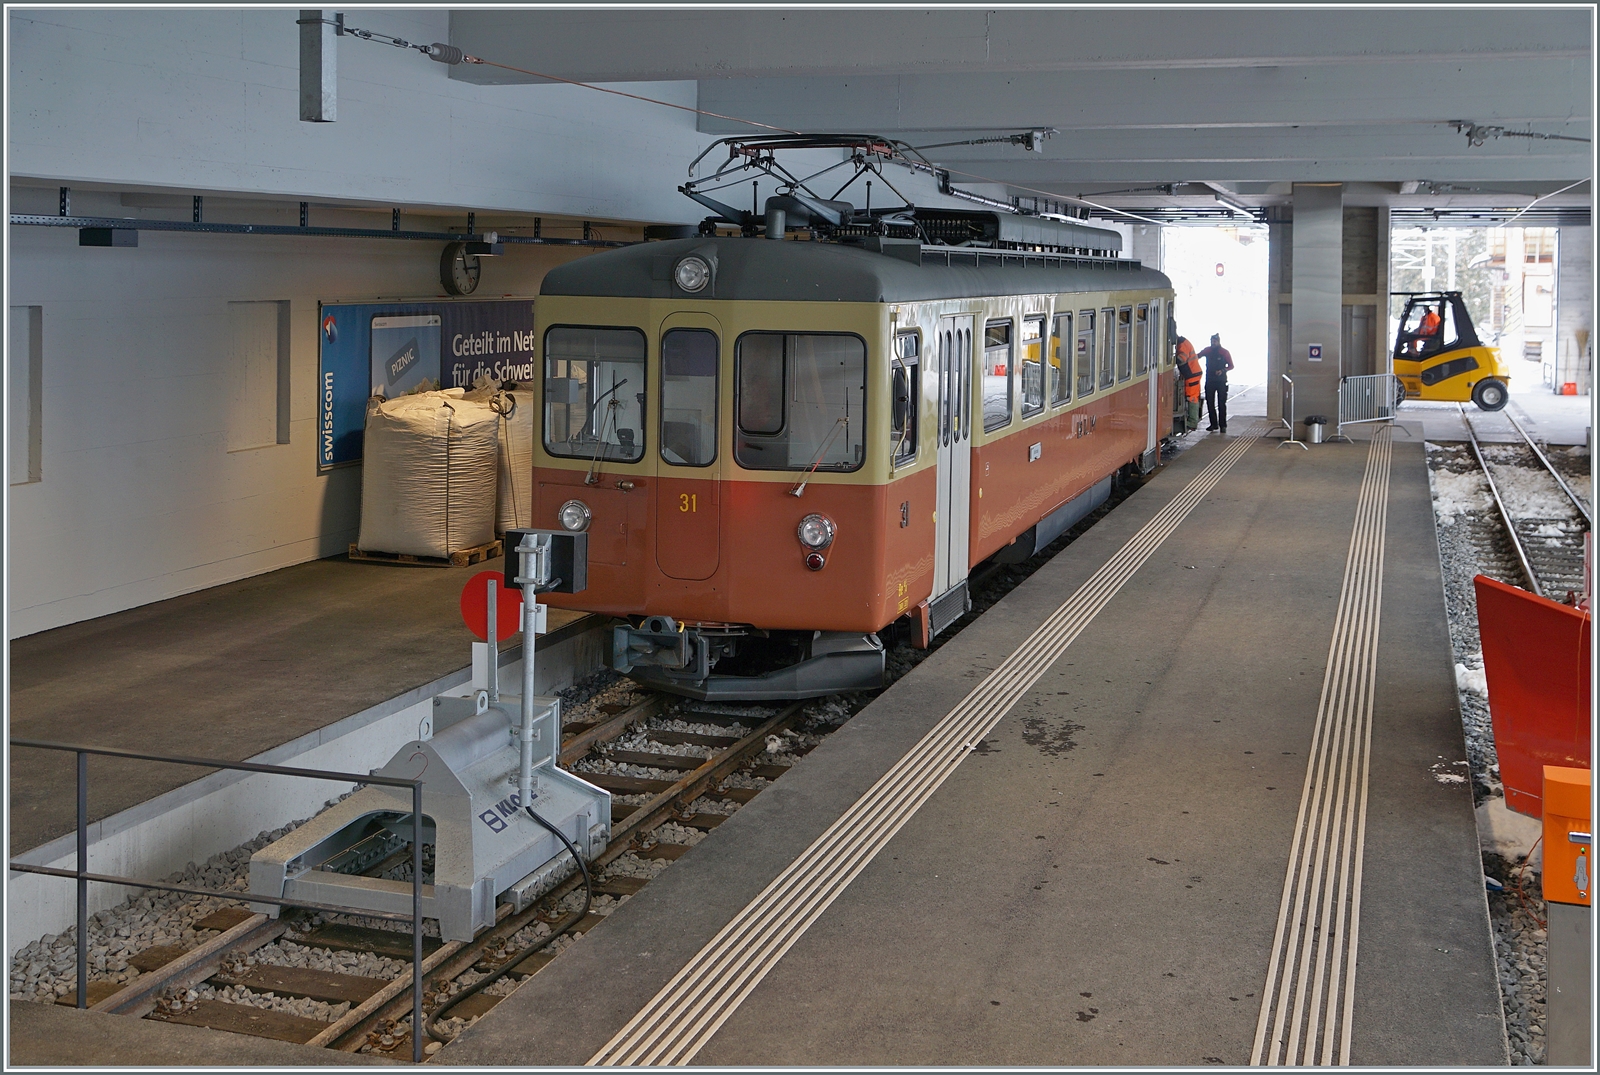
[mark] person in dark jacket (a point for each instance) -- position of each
(1218, 363)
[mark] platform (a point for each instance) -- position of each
(230, 672)
(1066, 837)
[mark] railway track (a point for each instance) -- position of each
(1544, 518)
(675, 770)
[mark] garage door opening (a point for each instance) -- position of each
(1220, 277)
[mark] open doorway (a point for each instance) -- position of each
(1220, 277)
(1507, 278)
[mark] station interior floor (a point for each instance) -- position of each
(1099, 876)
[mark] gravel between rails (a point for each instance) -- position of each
(1472, 541)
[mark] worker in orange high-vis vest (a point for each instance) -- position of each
(1189, 372)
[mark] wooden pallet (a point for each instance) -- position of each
(459, 558)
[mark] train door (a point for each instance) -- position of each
(688, 500)
(955, 453)
(1147, 363)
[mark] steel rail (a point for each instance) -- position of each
(1577, 502)
(1505, 515)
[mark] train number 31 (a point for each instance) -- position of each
(688, 502)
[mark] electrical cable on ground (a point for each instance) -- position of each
(430, 1025)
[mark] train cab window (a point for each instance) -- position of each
(1141, 338)
(1032, 366)
(905, 397)
(594, 393)
(1124, 343)
(1086, 352)
(1061, 344)
(689, 397)
(996, 375)
(801, 401)
(1108, 331)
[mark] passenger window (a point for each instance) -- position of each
(1141, 338)
(1032, 366)
(1108, 321)
(1086, 352)
(1158, 354)
(1061, 359)
(801, 401)
(689, 397)
(996, 375)
(905, 397)
(1124, 343)
(594, 393)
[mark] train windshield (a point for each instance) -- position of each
(801, 401)
(594, 393)
(689, 397)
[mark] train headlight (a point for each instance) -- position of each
(815, 531)
(574, 515)
(692, 273)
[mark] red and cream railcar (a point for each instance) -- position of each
(780, 449)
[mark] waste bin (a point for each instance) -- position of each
(1316, 425)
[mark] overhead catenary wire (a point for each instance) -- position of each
(451, 54)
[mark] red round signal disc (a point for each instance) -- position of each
(475, 606)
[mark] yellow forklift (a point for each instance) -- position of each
(1438, 356)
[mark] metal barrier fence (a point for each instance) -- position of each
(1286, 386)
(1368, 397)
(83, 876)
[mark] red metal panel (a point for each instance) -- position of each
(1536, 662)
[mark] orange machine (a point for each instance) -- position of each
(1568, 859)
(1536, 662)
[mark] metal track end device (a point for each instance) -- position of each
(482, 759)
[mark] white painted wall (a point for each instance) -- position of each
(209, 100)
(1575, 305)
(140, 498)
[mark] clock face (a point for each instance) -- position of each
(459, 271)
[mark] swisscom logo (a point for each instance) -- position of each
(330, 329)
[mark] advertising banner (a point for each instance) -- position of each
(391, 349)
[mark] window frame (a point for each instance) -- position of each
(544, 383)
(1141, 338)
(1124, 344)
(1106, 360)
(716, 399)
(1011, 365)
(739, 429)
(1093, 371)
(912, 435)
(1065, 368)
(1043, 339)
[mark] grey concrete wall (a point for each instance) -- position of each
(1575, 307)
(208, 99)
(139, 498)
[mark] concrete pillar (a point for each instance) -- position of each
(1144, 245)
(1316, 261)
(1575, 308)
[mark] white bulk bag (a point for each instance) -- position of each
(519, 412)
(428, 474)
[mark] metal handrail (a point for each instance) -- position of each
(1286, 386)
(83, 876)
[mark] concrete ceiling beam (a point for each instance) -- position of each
(1502, 92)
(626, 45)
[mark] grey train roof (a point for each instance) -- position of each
(771, 270)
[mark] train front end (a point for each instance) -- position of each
(721, 455)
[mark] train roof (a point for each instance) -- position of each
(881, 270)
